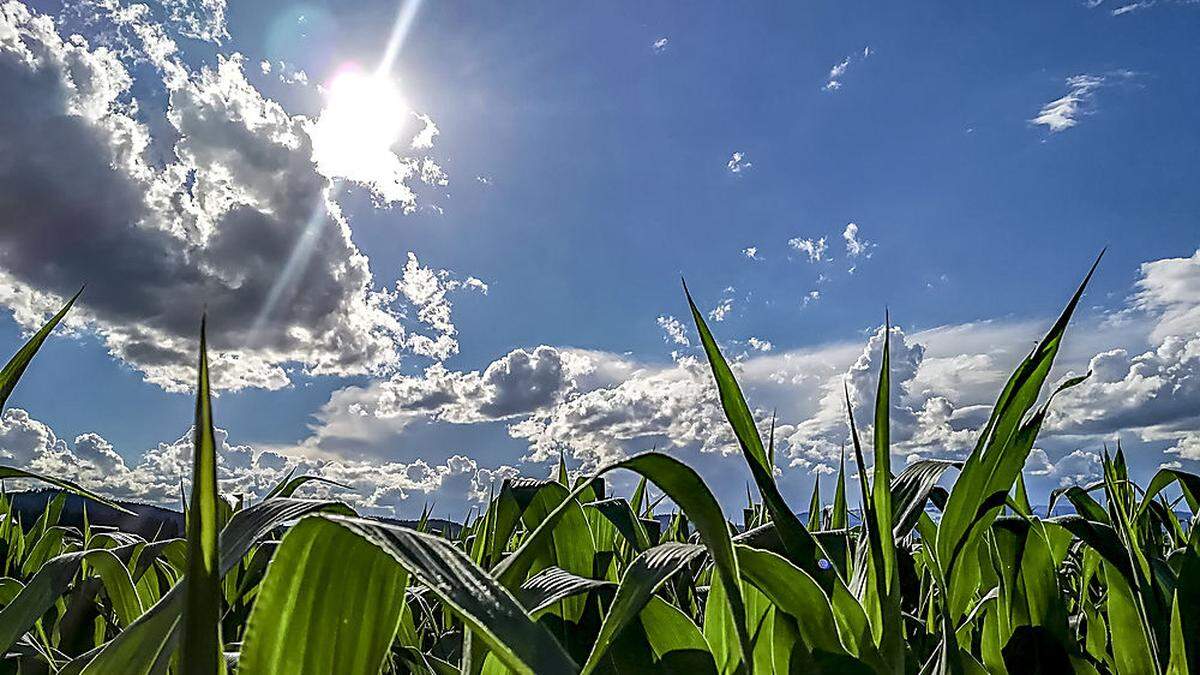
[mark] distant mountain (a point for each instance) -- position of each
(150, 522)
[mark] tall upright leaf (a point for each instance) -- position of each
(1001, 451)
(839, 515)
(814, 506)
(801, 547)
(201, 652)
(17, 364)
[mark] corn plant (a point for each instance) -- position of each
(942, 567)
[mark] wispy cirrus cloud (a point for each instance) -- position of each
(836, 74)
(1068, 110)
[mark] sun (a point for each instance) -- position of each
(364, 116)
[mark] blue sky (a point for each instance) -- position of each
(553, 174)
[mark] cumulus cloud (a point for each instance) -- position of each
(855, 246)
(598, 406)
(660, 45)
(1077, 467)
(751, 253)
(675, 332)
(426, 291)
(223, 209)
(519, 383)
(760, 345)
(667, 407)
(1154, 392)
(156, 477)
(814, 249)
(738, 163)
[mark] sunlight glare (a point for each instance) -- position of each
(363, 118)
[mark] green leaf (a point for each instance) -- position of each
(814, 506)
(1001, 452)
(802, 549)
(39, 595)
(795, 592)
(1185, 612)
(1132, 652)
(288, 486)
(674, 639)
(149, 642)
(553, 584)
(1189, 483)
(487, 608)
(645, 574)
(684, 486)
(331, 584)
(20, 361)
(911, 490)
(620, 513)
(839, 518)
(201, 649)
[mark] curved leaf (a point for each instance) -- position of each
(553, 584)
(490, 611)
(645, 574)
(349, 618)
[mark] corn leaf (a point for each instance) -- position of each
(201, 652)
(307, 592)
(802, 549)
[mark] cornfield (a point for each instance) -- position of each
(928, 575)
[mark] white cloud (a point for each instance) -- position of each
(660, 45)
(424, 138)
(673, 407)
(222, 209)
(1078, 467)
(1063, 113)
(1132, 7)
(426, 290)
(197, 19)
(760, 345)
(815, 250)
(1187, 447)
(722, 309)
(737, 163)
(810, 297)
(157, 474)
(1152, 392)
(834, 81)
(855, 246)
(751, 252)
(675, 332)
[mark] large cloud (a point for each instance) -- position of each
(597, 406)
(222, 208)
(386, 488)
(1152, 392)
